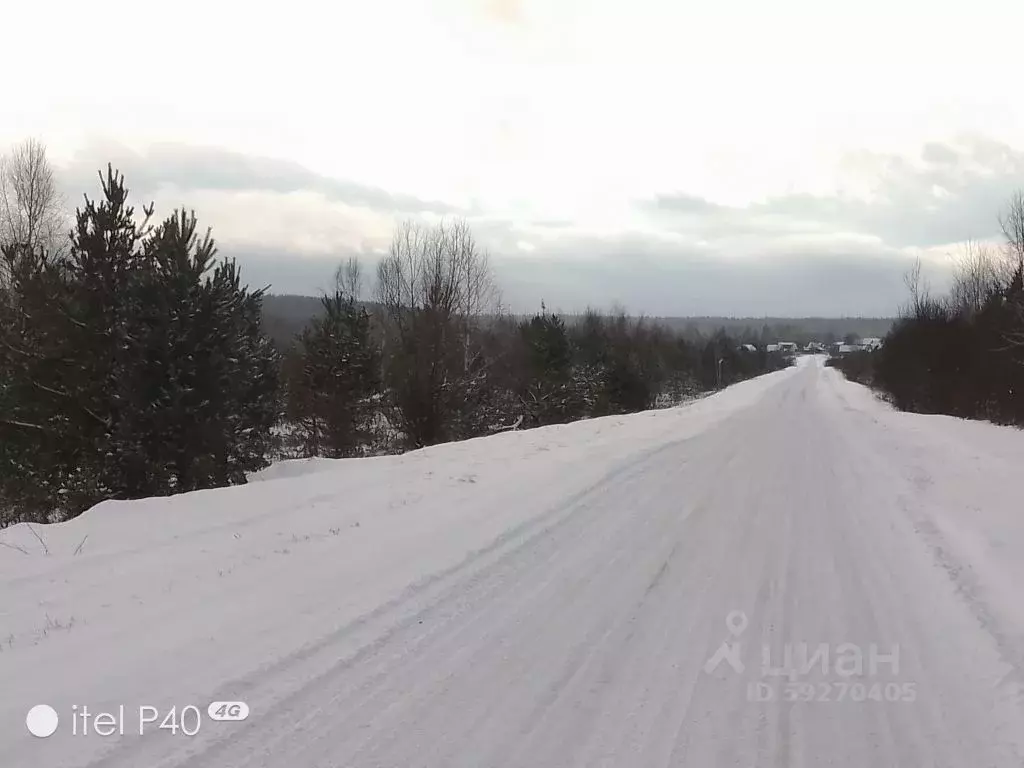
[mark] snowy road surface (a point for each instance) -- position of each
(621, 592)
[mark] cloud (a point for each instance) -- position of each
(257, 206)
(682, 254)
(294, 222)
(194, 168)
(948, 194)
(287, 272)
(662, 276)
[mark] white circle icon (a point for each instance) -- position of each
(41, 720)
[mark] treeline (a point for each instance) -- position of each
(960, 354)
(285, 315)
(134, 362)
(421, 368)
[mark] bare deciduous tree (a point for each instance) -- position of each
(976, 275)
(433, 286)
(439, 268)
(478, 293)
(348, 278)
(32, 210)
(917, 285)
(1012, 224)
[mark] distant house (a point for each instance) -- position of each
(864, 345)
(787, 346)
(772, 348)
(748, 348)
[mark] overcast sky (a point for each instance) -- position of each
(712, 157)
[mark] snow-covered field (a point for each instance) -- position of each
(601, 593)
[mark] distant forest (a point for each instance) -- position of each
(285, 315)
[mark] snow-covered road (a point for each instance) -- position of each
(621, 592)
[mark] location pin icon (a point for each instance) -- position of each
(736, 623)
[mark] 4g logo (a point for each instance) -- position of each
(228, 711)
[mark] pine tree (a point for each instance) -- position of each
(234, 389)
(128, 369)
(335, 380)
(31, 433)
(552, 394)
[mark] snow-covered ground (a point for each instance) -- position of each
(601, 593)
